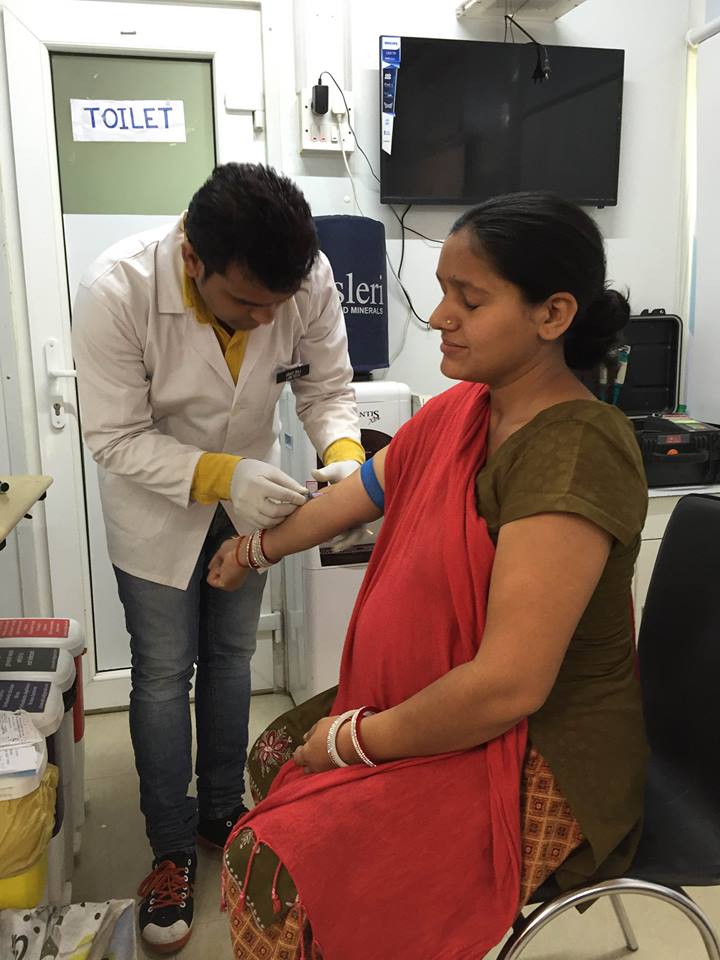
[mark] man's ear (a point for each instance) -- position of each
(193, 264)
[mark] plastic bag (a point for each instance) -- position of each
(84, 931)
(26, 826)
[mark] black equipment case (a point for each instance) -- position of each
(677, 450)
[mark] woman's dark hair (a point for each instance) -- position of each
(248, 214)
(545, 245)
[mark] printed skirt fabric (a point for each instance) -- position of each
(267, 927)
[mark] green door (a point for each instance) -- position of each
(132, 177)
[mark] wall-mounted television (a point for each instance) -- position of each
(464, 120)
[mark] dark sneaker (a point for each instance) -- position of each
(166, 908)
(214, 833)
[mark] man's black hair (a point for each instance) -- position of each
(248, 214)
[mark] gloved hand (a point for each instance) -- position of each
(262, 495)
(335, 472)
(343, 541)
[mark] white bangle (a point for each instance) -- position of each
(357, 714)
(256, 555)
(332, 737)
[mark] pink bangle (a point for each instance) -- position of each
(357, 740)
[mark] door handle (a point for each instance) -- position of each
(53, 350)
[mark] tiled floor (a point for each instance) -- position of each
(115, 857)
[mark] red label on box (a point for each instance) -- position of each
(34, 627)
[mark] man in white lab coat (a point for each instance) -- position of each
(183, 339)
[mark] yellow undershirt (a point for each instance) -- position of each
(213, 473)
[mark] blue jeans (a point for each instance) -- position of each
(170, 631)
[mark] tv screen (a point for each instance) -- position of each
(463, 120)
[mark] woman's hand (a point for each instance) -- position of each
(224, 573)
(313, 756)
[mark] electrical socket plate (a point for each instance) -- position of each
(320, 134)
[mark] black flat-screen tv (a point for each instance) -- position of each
(463, 120)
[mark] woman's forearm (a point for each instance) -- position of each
(463, 709)
(338, 508)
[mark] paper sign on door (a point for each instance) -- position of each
(158, 121)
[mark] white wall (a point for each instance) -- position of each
(644, 234)
(704, 346)
(10, 586)
(647, 233)
(24, 579)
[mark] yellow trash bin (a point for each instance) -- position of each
(26, 826)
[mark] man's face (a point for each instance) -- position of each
(234, 297)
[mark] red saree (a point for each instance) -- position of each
(420, 856)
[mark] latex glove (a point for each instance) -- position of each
(335, 472)
(350, 538)
(262, 495)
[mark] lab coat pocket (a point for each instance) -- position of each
(133, 509)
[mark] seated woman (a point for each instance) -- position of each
(487, 730)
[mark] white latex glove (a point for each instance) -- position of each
(262, 495)
(350, 538)
(336, 472)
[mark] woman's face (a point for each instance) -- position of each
(490, 334)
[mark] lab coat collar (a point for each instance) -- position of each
(168, 270)
(170, 300)
(201, 338)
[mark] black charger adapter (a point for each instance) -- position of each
(320, 102)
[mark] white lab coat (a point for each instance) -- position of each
(155, 393)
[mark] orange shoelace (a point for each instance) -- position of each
(169, 884)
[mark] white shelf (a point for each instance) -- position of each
(533, 10)
(711, 490)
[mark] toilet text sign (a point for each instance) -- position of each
(149, 121)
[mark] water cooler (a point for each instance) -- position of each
(320, 587)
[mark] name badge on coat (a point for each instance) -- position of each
(292, 373)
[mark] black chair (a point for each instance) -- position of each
(679, 650)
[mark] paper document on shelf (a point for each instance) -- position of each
(22, 760)
(17, 729)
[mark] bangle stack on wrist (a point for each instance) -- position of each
(257, 557)
(250, 553)
(354, 717)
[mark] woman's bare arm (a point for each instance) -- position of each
(338, 508)
(545, 572)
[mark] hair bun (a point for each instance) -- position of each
(605, 316)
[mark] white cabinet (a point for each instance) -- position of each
(320, 592)
(661, 505)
